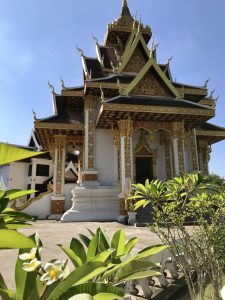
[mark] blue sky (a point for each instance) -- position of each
(37, 44)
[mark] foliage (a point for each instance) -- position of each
(200, 249)
(101, 265)
(11, 220)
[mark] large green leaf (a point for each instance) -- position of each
(130, 245)
(25, 281)
(16, 214)
(92, 248)
(2, 193)
(11, 239)
(118, 242)
(102, 257)
(7, 294)
(10, 153)
(152, 250)
(17, 225)
(2, 283)
(141, 274)
(15, 194)
(94, 289)
(79, 276)
(72, 256)
(78, 249)
(3, 204)
(134, 267)
(85, 239)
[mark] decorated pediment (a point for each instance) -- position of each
(152, 81)
(136, 62)
(136, 54)
(151, 85)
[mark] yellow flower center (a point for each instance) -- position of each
(54, 273)
(33, 256)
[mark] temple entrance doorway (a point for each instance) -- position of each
(144, 169)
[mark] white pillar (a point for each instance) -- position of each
(131, 160)
(122, 139)
(115, 164)
(86, 117)
(176, 157)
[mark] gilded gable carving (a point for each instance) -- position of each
(150, 85)
(136, 62)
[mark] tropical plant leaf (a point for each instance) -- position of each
(152, 250)
(3, 204)
(72, 256)
(17, 226)
(79, 276)
(25, 281)
(10, 153)
(134, 267)
(130, 245)
(16, 214)
(2, 283)
(2, 193)
(139, 275)
(92, 248)
(78, 249)
(11, 239)
(94, 289)
(85, 239)
(118, 242)
(102, 257)
(15, 194)
(7, 294)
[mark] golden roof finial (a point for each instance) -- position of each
(95, 39)
(217, 98)
(125, 3)
(211, 94)
(52, 88)
(80, 51)
(62, 82)
(206, 83)
(169, 60)
(34, 114)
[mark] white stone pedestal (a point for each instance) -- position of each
(93, 203)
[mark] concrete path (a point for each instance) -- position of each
(53, 232)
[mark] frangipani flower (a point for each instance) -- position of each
(31, 255)
(222, 292)
(32, 265)
(54, 272)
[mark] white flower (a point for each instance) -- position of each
(32, 265)
(54, 272)
(31, 255)
(222, 292)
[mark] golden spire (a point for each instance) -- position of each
(125, 3)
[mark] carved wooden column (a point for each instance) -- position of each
(89, 174)
(58, 199)
(204, 156)
(169, 170)
(116, 154)
(178, 148)
(126, 131)
(194, 151)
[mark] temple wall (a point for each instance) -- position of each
(104, 157)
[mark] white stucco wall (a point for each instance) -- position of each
(18, 175)
(104, 157)
(40, 208)
(4, 176)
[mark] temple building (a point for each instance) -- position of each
(129, 121)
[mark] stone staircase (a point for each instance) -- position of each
(93, 203)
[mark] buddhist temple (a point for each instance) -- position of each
(128, 121)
